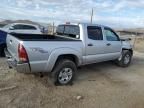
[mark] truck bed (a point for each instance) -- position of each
(42, 37)
(42, 50)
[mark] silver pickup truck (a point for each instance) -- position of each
(72, 46)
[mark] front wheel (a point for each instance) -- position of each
(125, 59)
(64, 72)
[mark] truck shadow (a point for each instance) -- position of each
(100, 71)
(96, 69)
(108, 71)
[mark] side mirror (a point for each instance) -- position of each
(11, 28)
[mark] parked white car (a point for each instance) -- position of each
(22, 28)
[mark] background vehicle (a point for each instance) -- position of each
(22, 28)
(61, 54)
(2, 42)
(16, 28)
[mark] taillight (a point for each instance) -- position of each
(23, 57)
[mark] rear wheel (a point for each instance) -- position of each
(64, 72)
(125, 59)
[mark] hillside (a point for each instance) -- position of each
(5, 22)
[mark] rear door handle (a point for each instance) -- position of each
(108, 44)
(90, 44)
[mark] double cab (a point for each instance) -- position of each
(72, 46)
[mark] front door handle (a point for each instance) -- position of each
(108, 44)
(90, 44)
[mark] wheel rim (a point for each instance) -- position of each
(127, 59)
(65, 75)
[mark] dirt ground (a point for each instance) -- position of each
(102, 85)
(139, 45)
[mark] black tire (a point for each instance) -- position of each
(122, 62)
(59, 67)
(2, 54)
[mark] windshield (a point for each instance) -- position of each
(6, 26)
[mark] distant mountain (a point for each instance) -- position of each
(133, 30)
(5, 22)
(1, 19)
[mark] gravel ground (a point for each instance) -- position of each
(102, 85)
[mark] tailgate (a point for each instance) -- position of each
(12, 46)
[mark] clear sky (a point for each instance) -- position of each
(115, 13)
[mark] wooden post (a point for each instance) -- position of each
(134, 41)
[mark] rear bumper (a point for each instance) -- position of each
(19, 67)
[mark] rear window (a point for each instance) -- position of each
(68, 31)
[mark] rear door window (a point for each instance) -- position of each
(28, 27)
(17, 27)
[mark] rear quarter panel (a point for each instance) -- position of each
(43, 54)
(12, 46)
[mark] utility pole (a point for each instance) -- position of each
(53, 27)
(92, 16)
